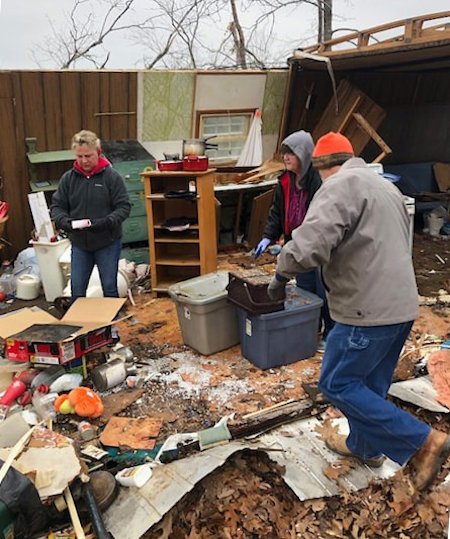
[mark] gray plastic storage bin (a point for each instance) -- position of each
(275, 339)
(207, 321)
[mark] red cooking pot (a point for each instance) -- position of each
(166, 165)
(195, 163)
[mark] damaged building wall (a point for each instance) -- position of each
(174, 103)
(416, 101)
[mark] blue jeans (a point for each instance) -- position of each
(83, 262)
(356, 374)
(312, 282)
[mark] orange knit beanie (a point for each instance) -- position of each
(331, 149)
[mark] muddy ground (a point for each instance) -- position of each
(247, 497)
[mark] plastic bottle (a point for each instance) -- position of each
(86, 430)
(135, 476)
(43, 404)
(14, 390)
(7, 279)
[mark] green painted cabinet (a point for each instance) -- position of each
(130, 158)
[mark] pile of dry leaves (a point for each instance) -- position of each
(247, 498)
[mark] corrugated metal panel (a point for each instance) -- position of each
(296, 446)
(419, 391)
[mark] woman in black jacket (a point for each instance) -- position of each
(293, 194)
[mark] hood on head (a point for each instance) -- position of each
(301, 143)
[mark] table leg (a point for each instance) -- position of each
(237, 221)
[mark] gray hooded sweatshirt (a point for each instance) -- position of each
(301, 143)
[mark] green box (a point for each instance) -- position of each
(137, 201)
(139, 255)
(134, 229)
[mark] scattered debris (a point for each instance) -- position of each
(131, 433)
(233, 449)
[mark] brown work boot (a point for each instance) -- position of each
(428, 460)
(337, 443)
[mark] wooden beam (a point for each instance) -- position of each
(380, 157)
(373, 134)
(349, 114)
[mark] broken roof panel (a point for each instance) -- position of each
(296, 446)
(415, 40)
(418, 391)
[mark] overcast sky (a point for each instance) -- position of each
(23, 23)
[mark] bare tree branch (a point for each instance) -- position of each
(180, 33)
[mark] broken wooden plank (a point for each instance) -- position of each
(116, 402)
(442, 176)
(349, 114)
(276, 417)
(264, 411)
(372, 133)
(351, 100)
(258, 216)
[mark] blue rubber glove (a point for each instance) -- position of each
(262, 246)
(277, 287)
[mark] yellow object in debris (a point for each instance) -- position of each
(66, 408)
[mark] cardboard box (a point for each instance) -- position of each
(37, 336)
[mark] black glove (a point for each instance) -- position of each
(65, 224)
(277, 287)
(99, 224)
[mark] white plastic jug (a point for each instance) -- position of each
(28, 286)
(435, 223)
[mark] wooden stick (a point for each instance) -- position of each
(372, 133)
(78, 528)
(347, 117)
(264, 410)
(379, 158)
(417, 349)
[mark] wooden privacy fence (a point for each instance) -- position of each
(51, 106)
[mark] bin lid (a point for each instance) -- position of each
(201, 290)
(296, 299)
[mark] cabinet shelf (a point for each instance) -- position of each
(160, 196)
(38, 158)
(180, 255)
(162, 226)
(177, 261)
(190, 175)
(177, 239)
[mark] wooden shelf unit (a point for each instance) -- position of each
(179, 255)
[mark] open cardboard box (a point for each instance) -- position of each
(37, 336)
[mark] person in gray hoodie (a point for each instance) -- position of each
(296, 188)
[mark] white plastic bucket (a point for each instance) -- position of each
(27, 286)
(47, 255)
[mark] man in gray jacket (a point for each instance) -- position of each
(357, 231)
